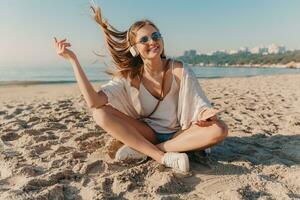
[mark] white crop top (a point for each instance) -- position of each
(164, 119)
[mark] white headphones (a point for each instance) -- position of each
(134, 52)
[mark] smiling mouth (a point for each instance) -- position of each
(155, 48)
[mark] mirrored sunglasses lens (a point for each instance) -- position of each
(156, 36)
(144, 39)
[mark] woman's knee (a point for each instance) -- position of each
(220, 131)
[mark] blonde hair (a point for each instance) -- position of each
(119, 43)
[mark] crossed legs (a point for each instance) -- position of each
(139, 136)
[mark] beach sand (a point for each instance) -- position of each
(50, 147)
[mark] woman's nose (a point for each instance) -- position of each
(151, 42)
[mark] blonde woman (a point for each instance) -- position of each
(154, 105)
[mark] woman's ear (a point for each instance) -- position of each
(134, 52)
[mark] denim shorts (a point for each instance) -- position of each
(162, 137)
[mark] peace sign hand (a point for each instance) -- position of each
(62, 50)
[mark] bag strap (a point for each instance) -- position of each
(161, 97)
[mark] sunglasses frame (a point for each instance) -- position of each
(152, 38)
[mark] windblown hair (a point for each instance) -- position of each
(119, 43)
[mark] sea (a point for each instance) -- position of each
(65, 75)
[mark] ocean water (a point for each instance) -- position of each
(52, 75)
(220, 72)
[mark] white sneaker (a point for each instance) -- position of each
(127, 153)
(177, 161)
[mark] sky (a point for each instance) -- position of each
(27, 27)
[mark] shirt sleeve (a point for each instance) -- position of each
(192, 99)
(116, 91)
(198, 93)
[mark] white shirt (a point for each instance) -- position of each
(191, 98)
(164, 119)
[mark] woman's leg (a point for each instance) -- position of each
(195, 138)
(132, 132)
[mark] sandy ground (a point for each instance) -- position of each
(50, 147)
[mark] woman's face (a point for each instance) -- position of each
(152, 48)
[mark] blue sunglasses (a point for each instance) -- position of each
(155, 36)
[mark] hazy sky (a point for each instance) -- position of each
(28, 26)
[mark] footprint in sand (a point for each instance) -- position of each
(44, 137)
(32, 132)
(62, 150)
(8, 154)
(79, 155)
(36, 184)
(57, 191)
(91, 146)
(93, 167)
(10, 136)
(3, 112)
(52, 125)
(14, 112)
(88, 135)
(38, 149)
(30, 170)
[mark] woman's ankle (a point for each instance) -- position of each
(159, 157)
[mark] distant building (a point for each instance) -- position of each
(232, 51)
(259, 50)
(244, 49)
(190, 53)
(255, 50)
(273, 49)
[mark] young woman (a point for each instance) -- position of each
(154, 105)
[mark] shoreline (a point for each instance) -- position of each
(26, 83)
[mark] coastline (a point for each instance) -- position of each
(291, 65)
(63, 82)
(51, 148)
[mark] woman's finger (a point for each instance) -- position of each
(209, 123)
(67, 44)
(55, 43)
(61, 49)
(62, 40)
(64, 48)
(59, 46)
(214, 118)
(212, 112)
(205, 123)
(201, 123)
(209, 113)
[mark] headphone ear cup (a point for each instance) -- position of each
(133, 52)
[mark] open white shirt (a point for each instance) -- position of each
(191, 101)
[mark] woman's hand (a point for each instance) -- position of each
(207, 117)
(62, 50)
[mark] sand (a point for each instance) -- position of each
(50, 147)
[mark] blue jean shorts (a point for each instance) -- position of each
(162, 137)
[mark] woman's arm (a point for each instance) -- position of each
(92, 98)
